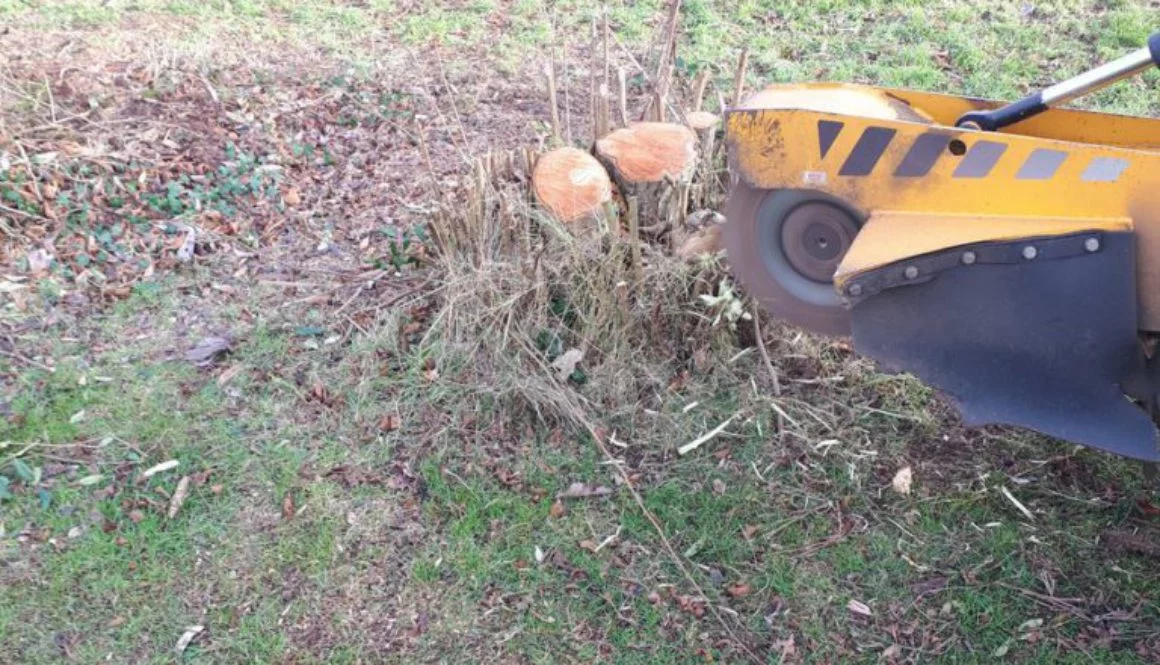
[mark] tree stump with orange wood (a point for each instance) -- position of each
(653, 163)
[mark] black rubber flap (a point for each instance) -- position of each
(1039, 338)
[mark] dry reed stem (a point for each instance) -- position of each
(739, 78)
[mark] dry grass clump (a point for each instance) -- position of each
(522, 298)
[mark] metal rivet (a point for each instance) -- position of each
(969, 258)
(855, 290)
(1029, 252)
(911, 272)
(1092, 244)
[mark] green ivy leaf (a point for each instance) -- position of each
(23, 471)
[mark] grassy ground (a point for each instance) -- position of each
(368, 479)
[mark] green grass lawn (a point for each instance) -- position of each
(356, 496)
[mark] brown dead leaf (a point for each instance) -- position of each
(390, 422)
(319, 392)
(1123, 540)
(718, 486)
(1147, 507)
(216, 489)
(208, 349)
(135, 516)
(557, 510)
(679, 381)
(582, 491)
(292, 196)
(229, 374)
(748, 531)
(430, 371)
(288, 506)
(588, 545)
(690, 605)
(351, 476)
(929, 585)
(786, 647)
(739, 590)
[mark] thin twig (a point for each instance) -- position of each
(673, 555)
(209, 88)
(28, 170)
(567, 96)
(14, 211)
(765, 356)
(550, 74)
(452, 96)
(664, 65)
(739, 79)
(622, 96)
(51, 99)
(699, 89)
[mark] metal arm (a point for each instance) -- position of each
(1061, 93)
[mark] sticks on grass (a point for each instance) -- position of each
(707, 436)
(765, 356)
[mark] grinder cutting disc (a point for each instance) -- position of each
(784, 246)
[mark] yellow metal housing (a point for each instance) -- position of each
(925, 185)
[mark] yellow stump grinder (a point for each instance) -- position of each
(1008, 255)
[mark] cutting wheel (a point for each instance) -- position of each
(784, 246)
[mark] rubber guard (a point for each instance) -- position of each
(1041, 343)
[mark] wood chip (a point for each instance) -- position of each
(902, 480)
(582, 491)
(178, 497)
(159, 468)
(1011, 497)
(187, 637)
(858, 607)
(693, 445)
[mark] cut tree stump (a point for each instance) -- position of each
(705, 124)
(571, 184)
(653, 162)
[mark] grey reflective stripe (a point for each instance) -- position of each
(828, 131)
(1041, 164)
(980, 159)
(1104, 169)
(867, 151)
(920, 159)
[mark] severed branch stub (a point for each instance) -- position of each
(571, 184)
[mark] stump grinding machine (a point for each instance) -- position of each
(1007, 255)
